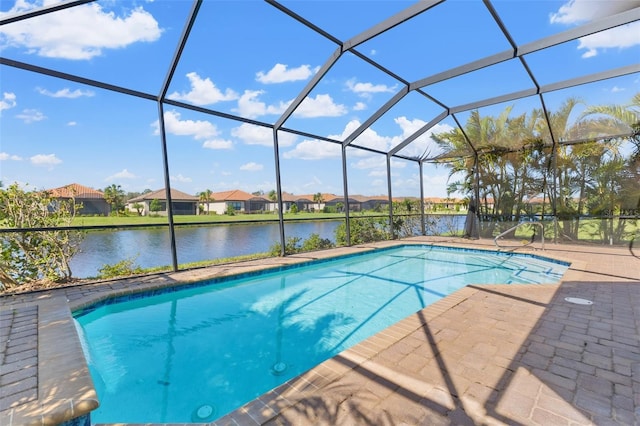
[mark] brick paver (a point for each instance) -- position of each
(18, 356)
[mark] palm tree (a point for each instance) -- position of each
(205, 197)
(625, 117)
(318, 198)
(492, 138)
(567, 176)
(616, 119)
(113, 195)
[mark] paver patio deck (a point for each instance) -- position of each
(491, 354)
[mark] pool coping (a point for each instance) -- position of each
(67, 365)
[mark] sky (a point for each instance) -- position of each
(248, 59)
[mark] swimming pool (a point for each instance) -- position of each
(194, 354)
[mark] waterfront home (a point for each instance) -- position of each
(239, 201)
(91, 200)
(155, 202)
(438, 203)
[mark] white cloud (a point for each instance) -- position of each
(359, 106)
(436, 185)
(66, 93)
(314, 182)
(71, 33)
(379, 163)
(318, 150)
(251, 107)
(280, 74)
(6, 156)
(72, 123)
(8, 101)
(423, 144)
(218, 144)
(203, 92)
(252, 167)
(181, 179)
(616, 38)
(258, 135)
(372, 162)
(124, 174)
(369, 138)
(31, 116)
(617, 89)
(314, 150)
(46, 160)
(366, 89)
(579, 11)
(196, 128)
(320, 106)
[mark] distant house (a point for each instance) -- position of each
(288, 200)
(438, 203)
(92, 200)
(338, 202)
(239, 201)
(181, 202)
(374, 202)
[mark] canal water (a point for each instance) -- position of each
(150, 247)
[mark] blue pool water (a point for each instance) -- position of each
(197, 353)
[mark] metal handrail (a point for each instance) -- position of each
(495, 240)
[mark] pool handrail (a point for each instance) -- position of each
(540, 224)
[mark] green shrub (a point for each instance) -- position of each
(292, 245)
(36, 255)
(362, 230)
(314, 242)
(123, 268)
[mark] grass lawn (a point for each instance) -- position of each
(589, 230)
(218, 218)
(162, 220)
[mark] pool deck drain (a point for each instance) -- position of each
(499, 354)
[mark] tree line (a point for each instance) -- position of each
(584, 170)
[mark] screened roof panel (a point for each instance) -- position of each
(504, 127)
(510, 75)
(364, 165)
(569, 106)
(242, 72)
(582, 57)
(404, 118)
(424, 146)
(438, 39)
(455, 146)
(532, 20)
(217, 165)
(102, 40)
(348, 17)
(350, 91)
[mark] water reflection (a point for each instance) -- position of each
(150, 246)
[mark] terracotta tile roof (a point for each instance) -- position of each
(234, 195)
(289, 197)
(75, 190)
(443, 200)
(160, 194)
(365, 198)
